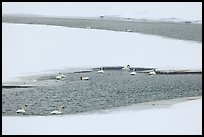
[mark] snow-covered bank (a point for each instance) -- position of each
(182, 118)
(34, 48)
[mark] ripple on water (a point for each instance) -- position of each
(113, 89)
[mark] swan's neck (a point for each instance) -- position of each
(60, 109)
(22, 108)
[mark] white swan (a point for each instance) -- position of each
(60, 76)
(100, 71)
(128, 30)
(133, 72)
(22, 110)
(57, 112)
(152, 72)
(88, 27)
(63, 76)
(126, 67)
(84, 78)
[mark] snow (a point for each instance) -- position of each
(174, 11)
(184, 118)
(34, 48)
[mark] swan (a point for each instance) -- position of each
(22, 110)
(57, 112)
(63, 76)
(60, 76)
(152, 72)
(34, 80)
(133, 72)
(126, 67)
(101, 71)
(84, 78)
(128, 30)
(88, 27)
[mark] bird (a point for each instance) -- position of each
(128, 30)
(22, 110)
(63, 76)
(60, 76)
(88, 27)
(57, 112)
(152, 72)
(133, 72)
(84, 78)
(126, 67)
(101, 71)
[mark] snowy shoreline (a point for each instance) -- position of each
(183, 116)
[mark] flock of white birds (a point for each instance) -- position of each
(62, 77)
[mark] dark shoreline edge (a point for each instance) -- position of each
(51, 76)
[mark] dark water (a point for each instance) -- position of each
(113, 89)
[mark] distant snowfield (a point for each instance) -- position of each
(172, 11)
(34, 48)
(183, 118)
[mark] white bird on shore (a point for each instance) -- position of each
(100, 71)
(84, 78)
(128, 30)
(126, 67)
(60, 76)
(22, 110)
(152, 72)
(133, 72)
(88, 27)
(63, 76)
(57, 112)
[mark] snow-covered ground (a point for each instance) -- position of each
(166, 11)
(34, 48)
(184, 118)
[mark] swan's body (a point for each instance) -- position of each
(60, 76)
(101, 71)
(22, 110)
(63, 76)
(133, 72)
(128, 30)
(57, 112)
(126, 67)
(88, 27)
(152, 72)
(84, 78)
